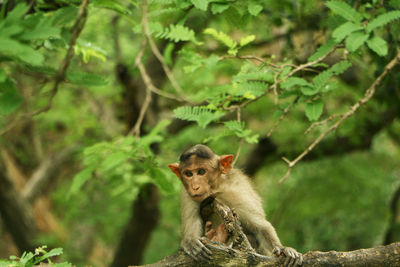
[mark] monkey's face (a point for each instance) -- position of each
(197, 176)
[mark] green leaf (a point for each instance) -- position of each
(17, 13)
(3, 76)
(355, 40)
(382, 20)
(161, 179)
(51, 253)
(79, 179)
(85, 78)
(314, 109)
(309, 90)
(201, 114)
(254, 9)
(343, 9)
(112, 5)
(112, 161)
(217, 8)
(222, 37)
(10, 99)
(322, 50)
(321, 79)
(344, 30)
(23, 52)
(43, 30)
(239, 129)
(294, 81)
(200, 4)
(378, 45)
(65, 16)
(178, 33)
(340, 67)
(246, 40)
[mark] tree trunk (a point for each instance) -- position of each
(137, 232)
(17, 215)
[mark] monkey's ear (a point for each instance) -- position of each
(226, 163)
(175, 168)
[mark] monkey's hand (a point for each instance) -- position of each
(196, 249)
(293, 257)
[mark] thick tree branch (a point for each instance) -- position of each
(44, 174)
(223, 256)
(17, 214)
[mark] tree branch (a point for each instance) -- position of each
(60, 75)
(224, 256)
(367, 96)
(45, 173)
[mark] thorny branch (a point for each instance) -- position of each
(367, 96)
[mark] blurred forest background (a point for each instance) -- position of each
(98, 97)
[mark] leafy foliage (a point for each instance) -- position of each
(343, 9)
(344, 30)
(29, 259)
(177, 33)
(127, 161)
(201, 114)
(232, 45)
(383, 19)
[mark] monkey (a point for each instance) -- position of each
(204, 174)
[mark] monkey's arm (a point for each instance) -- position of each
(192, 229)
(249, 208)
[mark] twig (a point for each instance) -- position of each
(146, 78)
(60, 75)
(301, 67)
(283, 115)
(160, 58)
(319, 123)
(367, 96)
(238, 114)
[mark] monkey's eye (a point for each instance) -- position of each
(201, 171)
(188, 173)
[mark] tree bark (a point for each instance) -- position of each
(223, 256)
(17, 215)
(137, 232)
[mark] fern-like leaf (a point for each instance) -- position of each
(239, 129)
(378, 45)
(321, 79)
(222, 37)
(344, 30)
(343, 9)
(85, 78)
(322, 50)
(178, 33)
(200, 4)
(383, 19)
(294, 81)
(200, 114)
(249, 90)
(355, 40)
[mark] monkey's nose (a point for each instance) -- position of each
(196, 187)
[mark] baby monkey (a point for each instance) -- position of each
(204, 174)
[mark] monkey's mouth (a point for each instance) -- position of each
(199, 197)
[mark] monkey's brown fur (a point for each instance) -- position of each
(204, 174)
